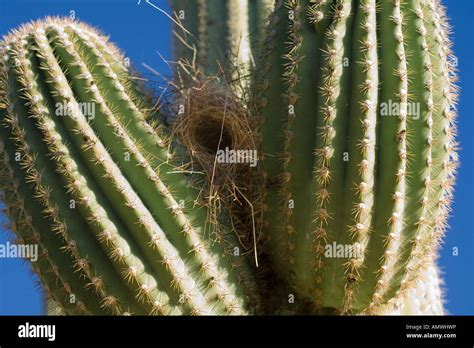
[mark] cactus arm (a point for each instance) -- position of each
(190, 268)
(43, 193)
(54, 133)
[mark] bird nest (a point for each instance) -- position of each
(213, 124)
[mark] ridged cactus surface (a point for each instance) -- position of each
(357, 108)
(220, 35)
(354, 104)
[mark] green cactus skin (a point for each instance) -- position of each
(336, 169)
(117, 219)
(223, 32)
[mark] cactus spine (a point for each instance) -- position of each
(339, 169)
(130, 234)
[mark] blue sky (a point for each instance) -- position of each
(142, 31)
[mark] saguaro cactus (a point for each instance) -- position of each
(355, 106)
(358, 146)
(120, 227)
